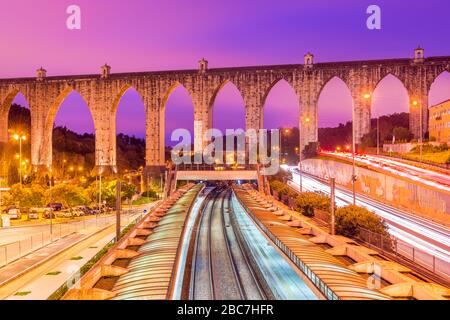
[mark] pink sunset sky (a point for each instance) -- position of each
(145, 35)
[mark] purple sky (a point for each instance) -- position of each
(141, 35)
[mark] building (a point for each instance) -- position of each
(439, 123)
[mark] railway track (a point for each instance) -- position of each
(221, 270)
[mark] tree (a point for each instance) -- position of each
(401, 134)
(306, 202)
(109, 191)
(67, 194)
(32, 196)
(351, 218)
(310, 150)
(13, 174)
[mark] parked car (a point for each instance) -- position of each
(64, 214)
(76, 212)
(14, 213)
(55, 206)
(33, 213)
(85, 210)
(48, 213)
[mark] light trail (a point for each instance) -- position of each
(427, 177)
(418, 232)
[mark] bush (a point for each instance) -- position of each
(67, 194)
(306, 202)
(350, 218)
(149, 194)
(26, 196)
(279, 187)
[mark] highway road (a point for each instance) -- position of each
(428, 177)
(222, 268)
(420, 233)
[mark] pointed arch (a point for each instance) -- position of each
(176, 111)
(334, 114)
(439, 89)
(46, 152)
(227, 96)
(282, 96)
(65, 93)
(5, 107)
(389, 96)
(333, 98)
(276, 83)
(127, 92)
(281, 110)
(129, 120)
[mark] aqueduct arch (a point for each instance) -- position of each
(101, 92)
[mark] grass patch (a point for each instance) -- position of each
(435, 157)
(53, 273)
(76, 258)
(22, 293)
(143, 200)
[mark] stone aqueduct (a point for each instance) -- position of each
(102, 93)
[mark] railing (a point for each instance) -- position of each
(13, 251)
(391, 245)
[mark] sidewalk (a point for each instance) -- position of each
(44, 286)
(37, 275)
(21, 266)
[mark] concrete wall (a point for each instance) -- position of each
(390, 189)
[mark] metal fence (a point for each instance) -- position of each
(389, 245)
(13, 251)
(396, 247)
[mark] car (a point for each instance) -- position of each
(33, 215)
(88, 210)
(48, 213)
(83, 209)
(64, 214)
(55, 206)
(76, 212)
(14, 213)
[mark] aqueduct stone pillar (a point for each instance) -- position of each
(202, 119)
(253, 97)
(155, 149)
(308, 122)
(418, 103)
(361, 114)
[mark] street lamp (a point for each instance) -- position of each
(307, 120)
(20, 138)
(415, 104)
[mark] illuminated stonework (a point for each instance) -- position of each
(102, 93)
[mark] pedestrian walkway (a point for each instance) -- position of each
(21, 266)
(45, 285)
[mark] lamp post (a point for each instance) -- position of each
(20, 138)
(378, 135)
(307, 120)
